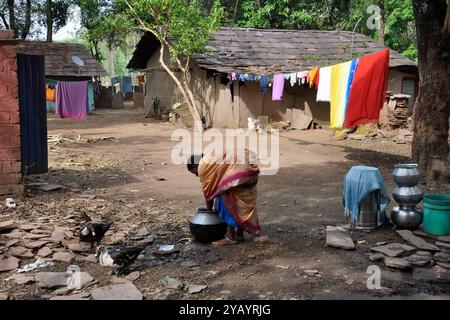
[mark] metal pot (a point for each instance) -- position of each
(406, 175)
(369, 212)
(406, 218)
(408, 196)
(206, 226)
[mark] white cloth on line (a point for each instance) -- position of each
(324, 89)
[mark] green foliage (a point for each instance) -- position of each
(185, 24)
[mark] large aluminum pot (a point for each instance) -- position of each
(206, 226)
(406, 218)
(408, 196)
(369, 212)
(406, 175)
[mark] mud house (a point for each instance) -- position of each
(65, 62)
(261, 52)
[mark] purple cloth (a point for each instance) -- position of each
(278, 87)
(72, 99)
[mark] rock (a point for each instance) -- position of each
(32, 236)
(415, 241)
(10, 243)
(339, 239)
(58, 236)
(173, 283)
(51, 280)
(133, 276)
(49, 187)
(397, 263)
(376, 257)
(262, 239)
(444, 239)
(117, 280)
(434, 275)
(77, 247)
(443, 244)
(21, 279)
(21, 252)
(35, 244)
(142, 233)
(420, 259)
(4, 296)
(44, 252)
(195, 288)
(9, 264)
(87, 196)
(7, 226)
(125, 291)
(443, 265)
(91, 258)
(15, 234)
(78, 296)
(61, 291)
(441, 257)
(393, 249)
(311, 273)
(382, 243)
(63, 257)
(189, 264)
(39, 263)
(423, 234)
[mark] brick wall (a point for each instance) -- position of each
(10, 175)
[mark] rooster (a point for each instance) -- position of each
(94, 232)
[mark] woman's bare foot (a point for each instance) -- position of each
(224, 242)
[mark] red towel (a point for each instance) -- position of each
(368, 91)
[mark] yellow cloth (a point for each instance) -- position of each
(338, 93)
(312, 76)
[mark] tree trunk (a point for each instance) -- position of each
(49, 20)
(12, 18)
(27, 24)
(382, 20)
(432, 109)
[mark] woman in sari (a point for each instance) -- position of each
(229, 186)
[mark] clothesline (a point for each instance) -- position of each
(356, 89)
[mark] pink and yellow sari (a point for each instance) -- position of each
(233, 184)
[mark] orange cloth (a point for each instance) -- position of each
(224, 175)
(50, 94)
(141, 79)
(312, 76)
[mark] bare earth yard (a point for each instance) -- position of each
(294, 206)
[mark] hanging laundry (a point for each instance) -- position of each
(338, 93)
(278, 87)
(293, 78)
(126, 84)
(233, 76)
(350, 79)
(368, 91)
(312, 76)
(264, 84)
(72, 99)
(50, 93)
(251, 77)
(316, 80)
(323, 89)
(286, 76)
(141, 79)
(241, 77)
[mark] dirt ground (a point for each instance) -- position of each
(294, 207)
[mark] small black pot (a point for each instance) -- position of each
(206, 226)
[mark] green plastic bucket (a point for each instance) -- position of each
(436, 214)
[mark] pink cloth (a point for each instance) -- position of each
(278, 87)
(72, 99)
